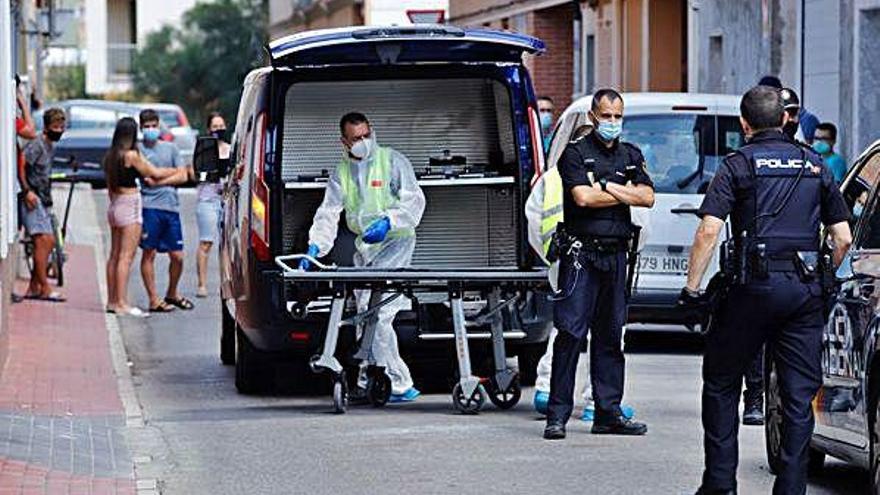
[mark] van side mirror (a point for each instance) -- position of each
(206, 159)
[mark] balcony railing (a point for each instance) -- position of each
(119, 56)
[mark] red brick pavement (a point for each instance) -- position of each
(58, 393)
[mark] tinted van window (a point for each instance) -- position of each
(683, 151)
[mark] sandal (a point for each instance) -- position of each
(54, 297)
(162, 307)
(202, 292)
(181, 302)
(133, 312)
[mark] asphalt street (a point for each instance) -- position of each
(207, 439)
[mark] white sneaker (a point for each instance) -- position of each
(134, 312)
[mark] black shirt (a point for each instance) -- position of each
(731, 190)
(589, 156)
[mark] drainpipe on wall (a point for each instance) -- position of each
(803, 51)
(577, 51)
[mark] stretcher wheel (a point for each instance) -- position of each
(468, 405)
(505, 399)
(312, 363)
(340, 395)
(378, 388)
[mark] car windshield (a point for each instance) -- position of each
(683, 151)
(85, 117)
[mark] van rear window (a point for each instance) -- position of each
(421, 118)
(683, 151)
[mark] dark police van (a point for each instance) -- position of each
(847, 407)
(459, 104)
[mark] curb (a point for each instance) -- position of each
(134, 414)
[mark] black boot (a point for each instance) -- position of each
(555, 430)
(753, 410)
(616, 424)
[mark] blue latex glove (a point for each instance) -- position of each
(304, 264)
(377, 231)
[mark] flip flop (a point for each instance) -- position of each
(181, 302)
(202, 292)
(133, 312)
(162, 307)
(54, 297)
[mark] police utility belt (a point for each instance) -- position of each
(753, 262)
(565, 244)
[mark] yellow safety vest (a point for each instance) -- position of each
(551, 212)
(364, 207)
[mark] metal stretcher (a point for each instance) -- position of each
(385, 285)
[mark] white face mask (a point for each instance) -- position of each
(362, 148)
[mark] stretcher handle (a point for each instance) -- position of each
(282, 262)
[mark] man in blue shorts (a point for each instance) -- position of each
(161, 211)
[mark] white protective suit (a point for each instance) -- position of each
(391, 253)
(534, 212)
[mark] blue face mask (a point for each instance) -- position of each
(821, 147)
(858, 209)
(609, 131)
(546, 122)
(151, 134)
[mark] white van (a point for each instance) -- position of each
(684, 137)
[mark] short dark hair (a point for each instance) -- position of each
(771, 81)
(148, 115)
(546, 98)
(353, 118)
(762, 107)
(828, 126)
(52, 116)
(603, 93)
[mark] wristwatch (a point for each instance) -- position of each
(604, 184)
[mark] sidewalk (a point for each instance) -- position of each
(61, 417)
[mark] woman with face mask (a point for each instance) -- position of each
(210, 203)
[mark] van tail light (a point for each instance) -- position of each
(260, 196)
(182, 121)
(537, 144)
(167, 137)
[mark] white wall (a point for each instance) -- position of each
(151, 15)
(7, 142)
(385, 12)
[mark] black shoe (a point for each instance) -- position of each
(704, 491)
(753, 413)
(357, 396)
(554, 431)
(616, 424)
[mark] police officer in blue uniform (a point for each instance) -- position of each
(777, 194)
(753, 395)
(602, 178)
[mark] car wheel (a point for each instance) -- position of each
(772, 414)
(227, 335)
(253, 372)
(874, 452)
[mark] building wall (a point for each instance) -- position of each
(552, 73)
(385, 12)
(149, 15)
(335, 13)
(756, 38)
(7, 157)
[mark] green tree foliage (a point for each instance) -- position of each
(202, 65)
(66, 82)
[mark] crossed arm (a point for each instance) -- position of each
(615, 194)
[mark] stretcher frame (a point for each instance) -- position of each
(469, 394)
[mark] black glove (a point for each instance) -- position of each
(691, 299)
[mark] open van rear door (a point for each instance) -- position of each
(400, 45)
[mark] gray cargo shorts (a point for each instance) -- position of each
(38, 220)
